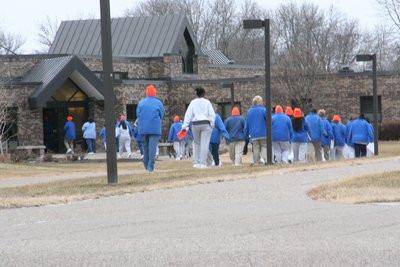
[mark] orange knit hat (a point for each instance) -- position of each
(177, 119)
(278, 109)
(289, 111)
(336, 118)
(70, 118)
(151, 90)
(297, 113)
(235, 111)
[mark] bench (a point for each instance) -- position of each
(166, 149)
(37, 150)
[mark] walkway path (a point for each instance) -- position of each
(257, 222)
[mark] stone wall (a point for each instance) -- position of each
(16, 66)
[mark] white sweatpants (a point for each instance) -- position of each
(281, 151)
(179, 148)
(300, 152)
(125, 142)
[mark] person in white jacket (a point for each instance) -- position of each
(200, 115)
(124, 137)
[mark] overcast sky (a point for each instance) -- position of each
(24, 16)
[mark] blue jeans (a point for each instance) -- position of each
(214, 149)
(150, 143)
(90, 144)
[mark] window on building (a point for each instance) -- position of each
(131, 112)
(366, 107)
(188, 53)
(225, 109)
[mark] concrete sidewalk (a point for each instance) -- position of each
(267, 221)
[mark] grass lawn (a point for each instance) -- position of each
(169, 174)
(383, 187)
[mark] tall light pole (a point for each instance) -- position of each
(372, 57)
(258, 24)
(109, 95)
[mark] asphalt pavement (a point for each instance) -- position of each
(268, 221)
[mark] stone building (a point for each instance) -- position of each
(42, 89)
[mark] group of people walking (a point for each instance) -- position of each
(292, 133)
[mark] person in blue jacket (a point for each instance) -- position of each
(235, 126)
(179, 145)
(150, 112)
(327, 134)
(69, 134)
(300, 136)
(103, 137)
(339, 135)
(315, 131)
(282, 133)
(215, 140)
(137, 137)
(360, 134)
(256, 129)
(89, 134)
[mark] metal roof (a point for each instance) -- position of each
(51, 73)
(131, 36)
(217, 57)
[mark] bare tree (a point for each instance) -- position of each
(391, 8)
(47, 31)
(6, 118)
(10, 43)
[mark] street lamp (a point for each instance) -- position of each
(364, 58)
(259, 24)
(109, 96)
(231, 86)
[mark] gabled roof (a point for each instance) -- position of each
(51, 73)
(216, 57)
(131, 36)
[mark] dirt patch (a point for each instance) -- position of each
(382, 187)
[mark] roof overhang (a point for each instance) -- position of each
(75, 70)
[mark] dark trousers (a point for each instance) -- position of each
(360, 150)
(91, 145)
(214, 148)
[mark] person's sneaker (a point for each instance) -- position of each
(196, 166)
(90, 153)
(129, 155)
(202, 166)
(69, 150)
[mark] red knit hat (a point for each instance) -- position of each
(151, 90)
(289, 111)
(278, 109)
(336, 118)
(297, 113)
(177, 119)
(235, 111)
(70, 118)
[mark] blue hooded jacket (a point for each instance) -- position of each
(150, 112)
(348, 126)
(235, 125)
(315, 127)
(302, 135)
(339, 134)
(219, 128)
(360, 132)
(102, 134)
(69, 130)
(89, 130)
(256, 122)
(282, 130)
(327, 134)
(173, 132)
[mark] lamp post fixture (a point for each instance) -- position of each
(109, 95)
(364, 58)
(231, 86)
(259, 24)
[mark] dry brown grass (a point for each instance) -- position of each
(383, 187)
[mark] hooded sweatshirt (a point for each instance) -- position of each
(89, 130)
(150, 112)
(235, 125)
(282, 130)
(173, 132)
(339, 134)
(315, 127)
(327, 134)
(219, 128)
(360, 132)
(301, 136)
(69, 130)
(256, 122)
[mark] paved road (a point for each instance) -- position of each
(259, 222)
